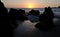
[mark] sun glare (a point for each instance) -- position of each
(30, 6)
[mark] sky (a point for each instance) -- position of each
(30, 3)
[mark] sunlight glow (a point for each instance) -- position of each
(30, 3)
(30, 6)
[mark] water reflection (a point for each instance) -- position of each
(57, 21)
(27, 29)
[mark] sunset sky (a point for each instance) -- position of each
(30, 3)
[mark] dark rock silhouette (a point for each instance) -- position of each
(4, 22)
(22, 11)
(31, 12)
(21, 15)
(3, 10)
(58, 6)
(37, 13)
(16, 15)
(34, 12)
(13, 16)
(12, 20)
(34, 15)
(46, 20)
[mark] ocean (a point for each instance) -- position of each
(40, 9)
(56, 11)
(27, 28)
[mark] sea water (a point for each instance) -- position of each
(27, 28)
